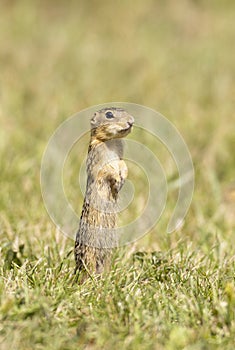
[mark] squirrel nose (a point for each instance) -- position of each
(131, 122)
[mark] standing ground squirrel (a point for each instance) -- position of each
(106, 174)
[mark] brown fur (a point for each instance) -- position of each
(106, 174)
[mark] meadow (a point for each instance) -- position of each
(165, 291)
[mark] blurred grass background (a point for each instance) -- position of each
(57, 58)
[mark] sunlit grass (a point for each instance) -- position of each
(164, 291)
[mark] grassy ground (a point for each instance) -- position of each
(166, 291)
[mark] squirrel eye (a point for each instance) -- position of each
(109, 115)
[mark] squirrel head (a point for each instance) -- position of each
(111, 123)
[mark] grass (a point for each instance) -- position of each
(165, 291)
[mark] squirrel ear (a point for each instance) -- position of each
(93, 120)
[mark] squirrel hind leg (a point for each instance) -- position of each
(102, 261)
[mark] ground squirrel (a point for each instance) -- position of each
(106, 174)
